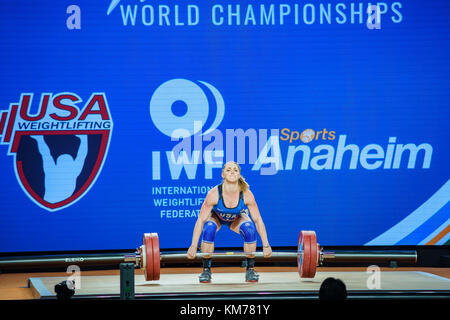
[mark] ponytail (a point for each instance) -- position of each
(243, 184)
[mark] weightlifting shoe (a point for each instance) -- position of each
(205, 277)
(251, 275)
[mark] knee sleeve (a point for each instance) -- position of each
(209, 232)
(248, 231)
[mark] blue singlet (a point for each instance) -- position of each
(228, 215)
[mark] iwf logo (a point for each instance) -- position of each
(180, 107)
(60, 150)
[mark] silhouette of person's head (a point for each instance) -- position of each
(332, 289)
(64, 160)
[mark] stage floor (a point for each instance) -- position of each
(226, 284)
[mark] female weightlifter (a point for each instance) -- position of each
(225, 205)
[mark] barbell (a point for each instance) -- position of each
(309, 255)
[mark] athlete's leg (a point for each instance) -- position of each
(212, 225)
(245, 227)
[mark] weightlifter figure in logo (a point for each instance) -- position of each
(61, 175)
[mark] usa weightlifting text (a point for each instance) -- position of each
(226, 309)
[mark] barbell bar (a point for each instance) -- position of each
(231, 255)
(308, 256)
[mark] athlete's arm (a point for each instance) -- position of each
(47, 160)
(257, 219)
(82, 153)
(205, 212)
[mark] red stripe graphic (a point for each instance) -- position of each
(15, 144)
(12, 118)
(2, 121)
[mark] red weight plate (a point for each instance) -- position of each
(307, 244)
(313, 251)
(148, 252)
(303, 261)
(156, 257)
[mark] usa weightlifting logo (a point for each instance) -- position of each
(58, 151)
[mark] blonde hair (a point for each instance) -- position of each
(243, 185)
